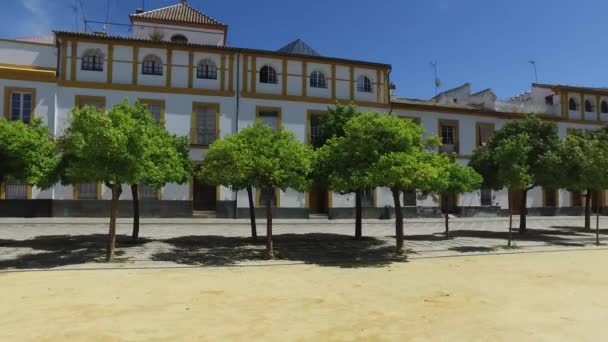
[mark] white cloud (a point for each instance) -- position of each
(39, 20)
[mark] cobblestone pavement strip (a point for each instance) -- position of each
(79, 243)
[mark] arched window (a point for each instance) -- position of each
(317, 80)
(92, 60)
(364, 84)
(588, 106)
(268, 75)
(572, 104)
(152, 65)
(206, 70)
(604, 107)
(179, 38)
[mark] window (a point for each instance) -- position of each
(15, 189)
(317, 80)
(588, 106)
(147, 192)
(206, 70)
(88, 191)
(21, 106)
(156, 109)
(268, 75)
(270, 117)
(92, 60)
(604, 107)
(550, 198)
(315, 121)
(572, 104)
(273, 197)
(205, 124)
(179, 39)
(486, 197)
(364, 84)
(152, 65)
(409, 198)
(549, 100)
(367, 197)
(98, 102)
(449, 136)
(484, 133)
(576, 199)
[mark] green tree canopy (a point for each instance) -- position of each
(107, 148)
(28, 153)
(541, 140)
(333, 122)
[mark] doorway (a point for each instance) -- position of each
(515, 198)
(318, 201)
(203, 196)
(449, 202)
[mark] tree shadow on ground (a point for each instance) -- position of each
(581, 229)
(559, 237)
(314, 248)
(62, 250)
(472, 249)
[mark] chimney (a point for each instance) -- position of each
(139, 10)
(392, 89)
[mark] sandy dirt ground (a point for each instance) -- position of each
(523, 297)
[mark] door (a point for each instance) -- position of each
(596, 201)
(204, 196)
(317, 201)
(515, 199)
(448, 203)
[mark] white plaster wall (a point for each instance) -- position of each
(20, 53)
(45, 99)
(362, 96)
(265, 88)
(142, 30)
(87, 75)
(122, 68)
(152, 80)
(204, 83)
(294, 78)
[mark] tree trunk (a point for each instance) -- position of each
(510, 223)
(135, 195)
(447, 225)
(524, 212)
(597, 227)
(588, 210)
(116, 191)
(358, 216)
(254, 229)
(269, 249)
(398, 221)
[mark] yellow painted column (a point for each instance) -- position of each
(223, 73)
(135, 64)
(333, 82)
(304, 79)
(169, 68)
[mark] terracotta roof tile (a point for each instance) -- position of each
(181, 12)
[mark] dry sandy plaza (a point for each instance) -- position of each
(205, 280)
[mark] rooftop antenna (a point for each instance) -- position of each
(74, 8)
(437, 80)
(535, 72)
(105, 25)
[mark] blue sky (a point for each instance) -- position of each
(487, 43)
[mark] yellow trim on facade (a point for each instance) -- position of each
(330, 199)
(64, 60)
(2, 190)
(478, 127)
(169, 68)
(135, 66)
(245, 73)
(26, 74)
(310, 99)
(78, 99)
(26, 67)
(333, 82)
(304, 79)
(190, 70)
(284, 77)
(352, 83)
(582, 108)
(456, 124)
(231, 73)
(7, 100)
(254, 74)
(160, 103)
(196, 105)
(223, 72)
(277, 195)
(279, 110)
(110, 60)
(76, 191)
(144, 88)
(309, 114)
(74, 60)
(378, 87)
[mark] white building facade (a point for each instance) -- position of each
(176, 61)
